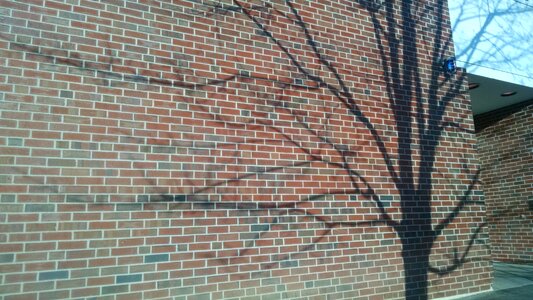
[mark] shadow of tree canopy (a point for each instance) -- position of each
(419, 98)
(411, 40)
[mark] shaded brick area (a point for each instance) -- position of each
(506, 155)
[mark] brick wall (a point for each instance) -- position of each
(235, 149)
(506, 156)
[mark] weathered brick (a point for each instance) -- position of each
(182, 291)
(173, 283)
(129, 278)
(7, 258)
(60, 162)
(53, 275)
(154, 258)
(40, 208)
(115, 289)
(10, 288)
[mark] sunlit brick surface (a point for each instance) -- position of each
(235, 150)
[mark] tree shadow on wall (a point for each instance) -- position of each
(419, 97)
(412, 39)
